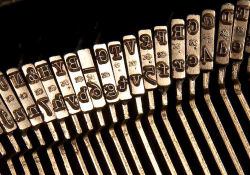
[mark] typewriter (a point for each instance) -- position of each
(155, 88)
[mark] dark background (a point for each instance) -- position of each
(36, 30)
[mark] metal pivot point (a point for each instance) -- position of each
(222, 59)
(81, 90)
(45, 107)
(193, 70)
(150, 83)
(19, 116)
(121, 79)
(72, 104)
(178, 73)
(206, 64)
(111, 94)
(97, 97)
(79, 84)
(237, 47)
(163, 81)
(137, 87)
(30, 109)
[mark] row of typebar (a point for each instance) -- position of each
(47, 91)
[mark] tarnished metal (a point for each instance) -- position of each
(120, 74)
(97, 97)
(13, 104)
(239, 30)
(207, 24)
(25, 97)
(219, 124)
(133, 65)
(227, 19)
(178, 49)
(136, 82)
(206, 63)
(72, 103)
(150, 83)
(79, 84)
(193, 45)
(147, 59)
(162, 56)
(221, 82)
(45, 107)
(178, 72)
(51, 88)
(224, 34)
(18, 114)
(164, 81)
(193, 70)
(111, 95)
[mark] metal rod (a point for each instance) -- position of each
(49, 149)
(88, 144)
(172, 134)
(29, 147)
(75, 145)
(187, 127)
(143, 136)
(115, 139)
(237, 88)
(129, 141)
(157, 134)
(101, 143)
(17, 150)
(221, 81)
(219, 124)
(203, 126)
(61, 146)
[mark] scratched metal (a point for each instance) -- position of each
(78, 81)
(79, 84)
(91, 78)
(147, 59)
(162, 56)
(65, 84)
(111, 95)
(39, 92)
(218, 123)
(224, 34)
(188, 130)
(13, 104)
(239, 30)
(223, 92)
(51, 89)
(157, 134)
(193, 45)
(172, 134)
(203, 127)
(119, 69)
(98, 100)
(133, 65)
(207, 39)
(178, 49)
(144, 137)
(27, 101)
(6, 120)
(105, 71)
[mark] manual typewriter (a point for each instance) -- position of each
(159, 88)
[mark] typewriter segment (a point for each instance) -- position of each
(157, 101)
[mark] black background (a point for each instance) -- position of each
(36, 30)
